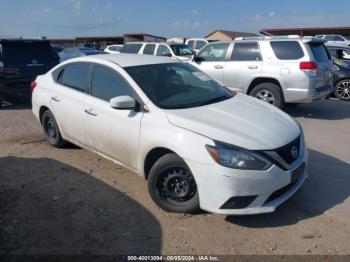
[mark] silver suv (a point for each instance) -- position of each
(278, 70)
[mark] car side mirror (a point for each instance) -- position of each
(197, 58)
(123, 103)
(167, 54)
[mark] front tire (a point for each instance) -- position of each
(270, 93)
(172, 186)
(51, 130)
(342, 90)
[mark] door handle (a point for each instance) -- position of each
(218, 67)
(89, 111)
(54, 98)
(253, 67)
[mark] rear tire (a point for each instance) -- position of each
(172, 186)
(342, 90)
(270, 93)
(51, 130)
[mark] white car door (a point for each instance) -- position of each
(67, 100)
(244, 62)
(112, 132)
(212, 60)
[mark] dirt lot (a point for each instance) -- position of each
(70, 201)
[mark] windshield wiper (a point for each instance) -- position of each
(214, 100)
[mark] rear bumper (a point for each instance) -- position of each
(299, 95)
(15, 85)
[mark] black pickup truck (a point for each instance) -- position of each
(21, 60)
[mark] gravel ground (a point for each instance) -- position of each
(70, 201)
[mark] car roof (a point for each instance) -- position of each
(20, 40)
(126, 60)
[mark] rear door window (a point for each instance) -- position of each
(337, 38)
(320, 52)
(328, 37)
(107, 83)
(287, 50)
(246, 52)
(75, 75)
(149, 49)
(29, 51)
(191, 44)
(131, 48)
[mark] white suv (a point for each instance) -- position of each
(198, 144)
(179, 51)
(277, 70)
(334, 40)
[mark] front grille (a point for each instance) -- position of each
(286, 152)
(238, 202)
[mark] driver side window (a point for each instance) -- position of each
(214, 52)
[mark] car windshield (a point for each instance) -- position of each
(181, 50)
(178, 85)
(320, 52)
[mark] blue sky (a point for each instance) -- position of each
(68, 18)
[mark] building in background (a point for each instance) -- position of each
(142, 37)
(98, 41)
(103, 41)
(224, 35)
(345, 31)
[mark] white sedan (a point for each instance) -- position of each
(198, 144)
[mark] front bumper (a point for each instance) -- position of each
(265, 189)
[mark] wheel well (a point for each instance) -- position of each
(260, 80)
(153, 156)
(41, 111)
(345, 78)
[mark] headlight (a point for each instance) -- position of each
(238, 158)
(335, 68)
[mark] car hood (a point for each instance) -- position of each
(242, 121)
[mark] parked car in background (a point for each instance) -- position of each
(21, 60)
(277, 70)
(334, 40)
(198, 144)
(113, 49)
(72, 52)
(197, 44)
(179, 51)
(91, 45)
(340, 53)
(341, 79)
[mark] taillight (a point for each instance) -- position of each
(33, 86)
(308, 66)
